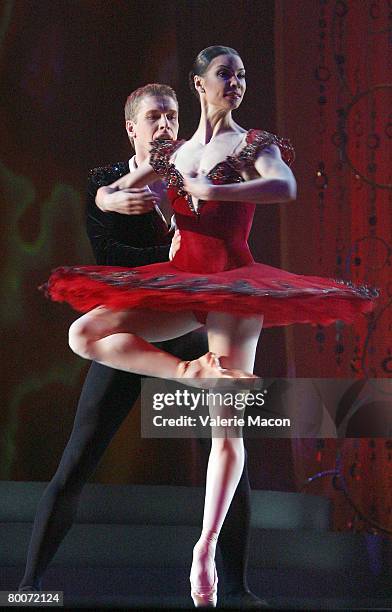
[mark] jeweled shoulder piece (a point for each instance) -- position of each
(256, 141)
(105, 175)
(160, 153)
(224, 173)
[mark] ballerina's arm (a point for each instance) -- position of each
(129, 194)
(276, 183)
(143, 175)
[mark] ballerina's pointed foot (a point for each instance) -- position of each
(205, 596)
(203, 576)
(208, 366)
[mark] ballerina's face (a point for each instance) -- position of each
(224, 82)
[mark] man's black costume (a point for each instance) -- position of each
(108, 395)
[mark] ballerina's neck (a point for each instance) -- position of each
(214, 126)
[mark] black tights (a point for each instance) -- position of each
(106, 399)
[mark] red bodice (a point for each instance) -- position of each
(215, 238)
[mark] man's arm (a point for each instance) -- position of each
(129, 194)
(133, 201)
(109, 251)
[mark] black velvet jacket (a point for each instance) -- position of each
(123, 240)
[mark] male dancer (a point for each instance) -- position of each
(129, 229)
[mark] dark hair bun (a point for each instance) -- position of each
(204, 59)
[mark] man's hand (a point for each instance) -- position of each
(132, 201)
(175, 244)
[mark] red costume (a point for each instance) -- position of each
(213, 270)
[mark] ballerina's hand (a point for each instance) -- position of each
(198, 186)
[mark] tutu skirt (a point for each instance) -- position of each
(283, 298)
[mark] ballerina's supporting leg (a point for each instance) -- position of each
(237, 340)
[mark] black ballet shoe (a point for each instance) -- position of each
(28, 589)
(244, 600)
(34, 587)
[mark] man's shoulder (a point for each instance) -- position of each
(104, 175)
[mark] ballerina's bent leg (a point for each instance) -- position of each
(121, 339)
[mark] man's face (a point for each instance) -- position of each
(157, 117)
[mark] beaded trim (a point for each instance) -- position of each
(371, 292)
(160, 153)
(128, 279)
(256, 141)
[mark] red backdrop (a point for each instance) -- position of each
(333, 83)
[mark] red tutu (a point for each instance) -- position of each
(283, 298)
(213, 270)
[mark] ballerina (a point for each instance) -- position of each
(215, 181)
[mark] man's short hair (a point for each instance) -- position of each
(152, 89)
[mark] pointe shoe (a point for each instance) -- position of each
(208, 366)
(205, 597)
